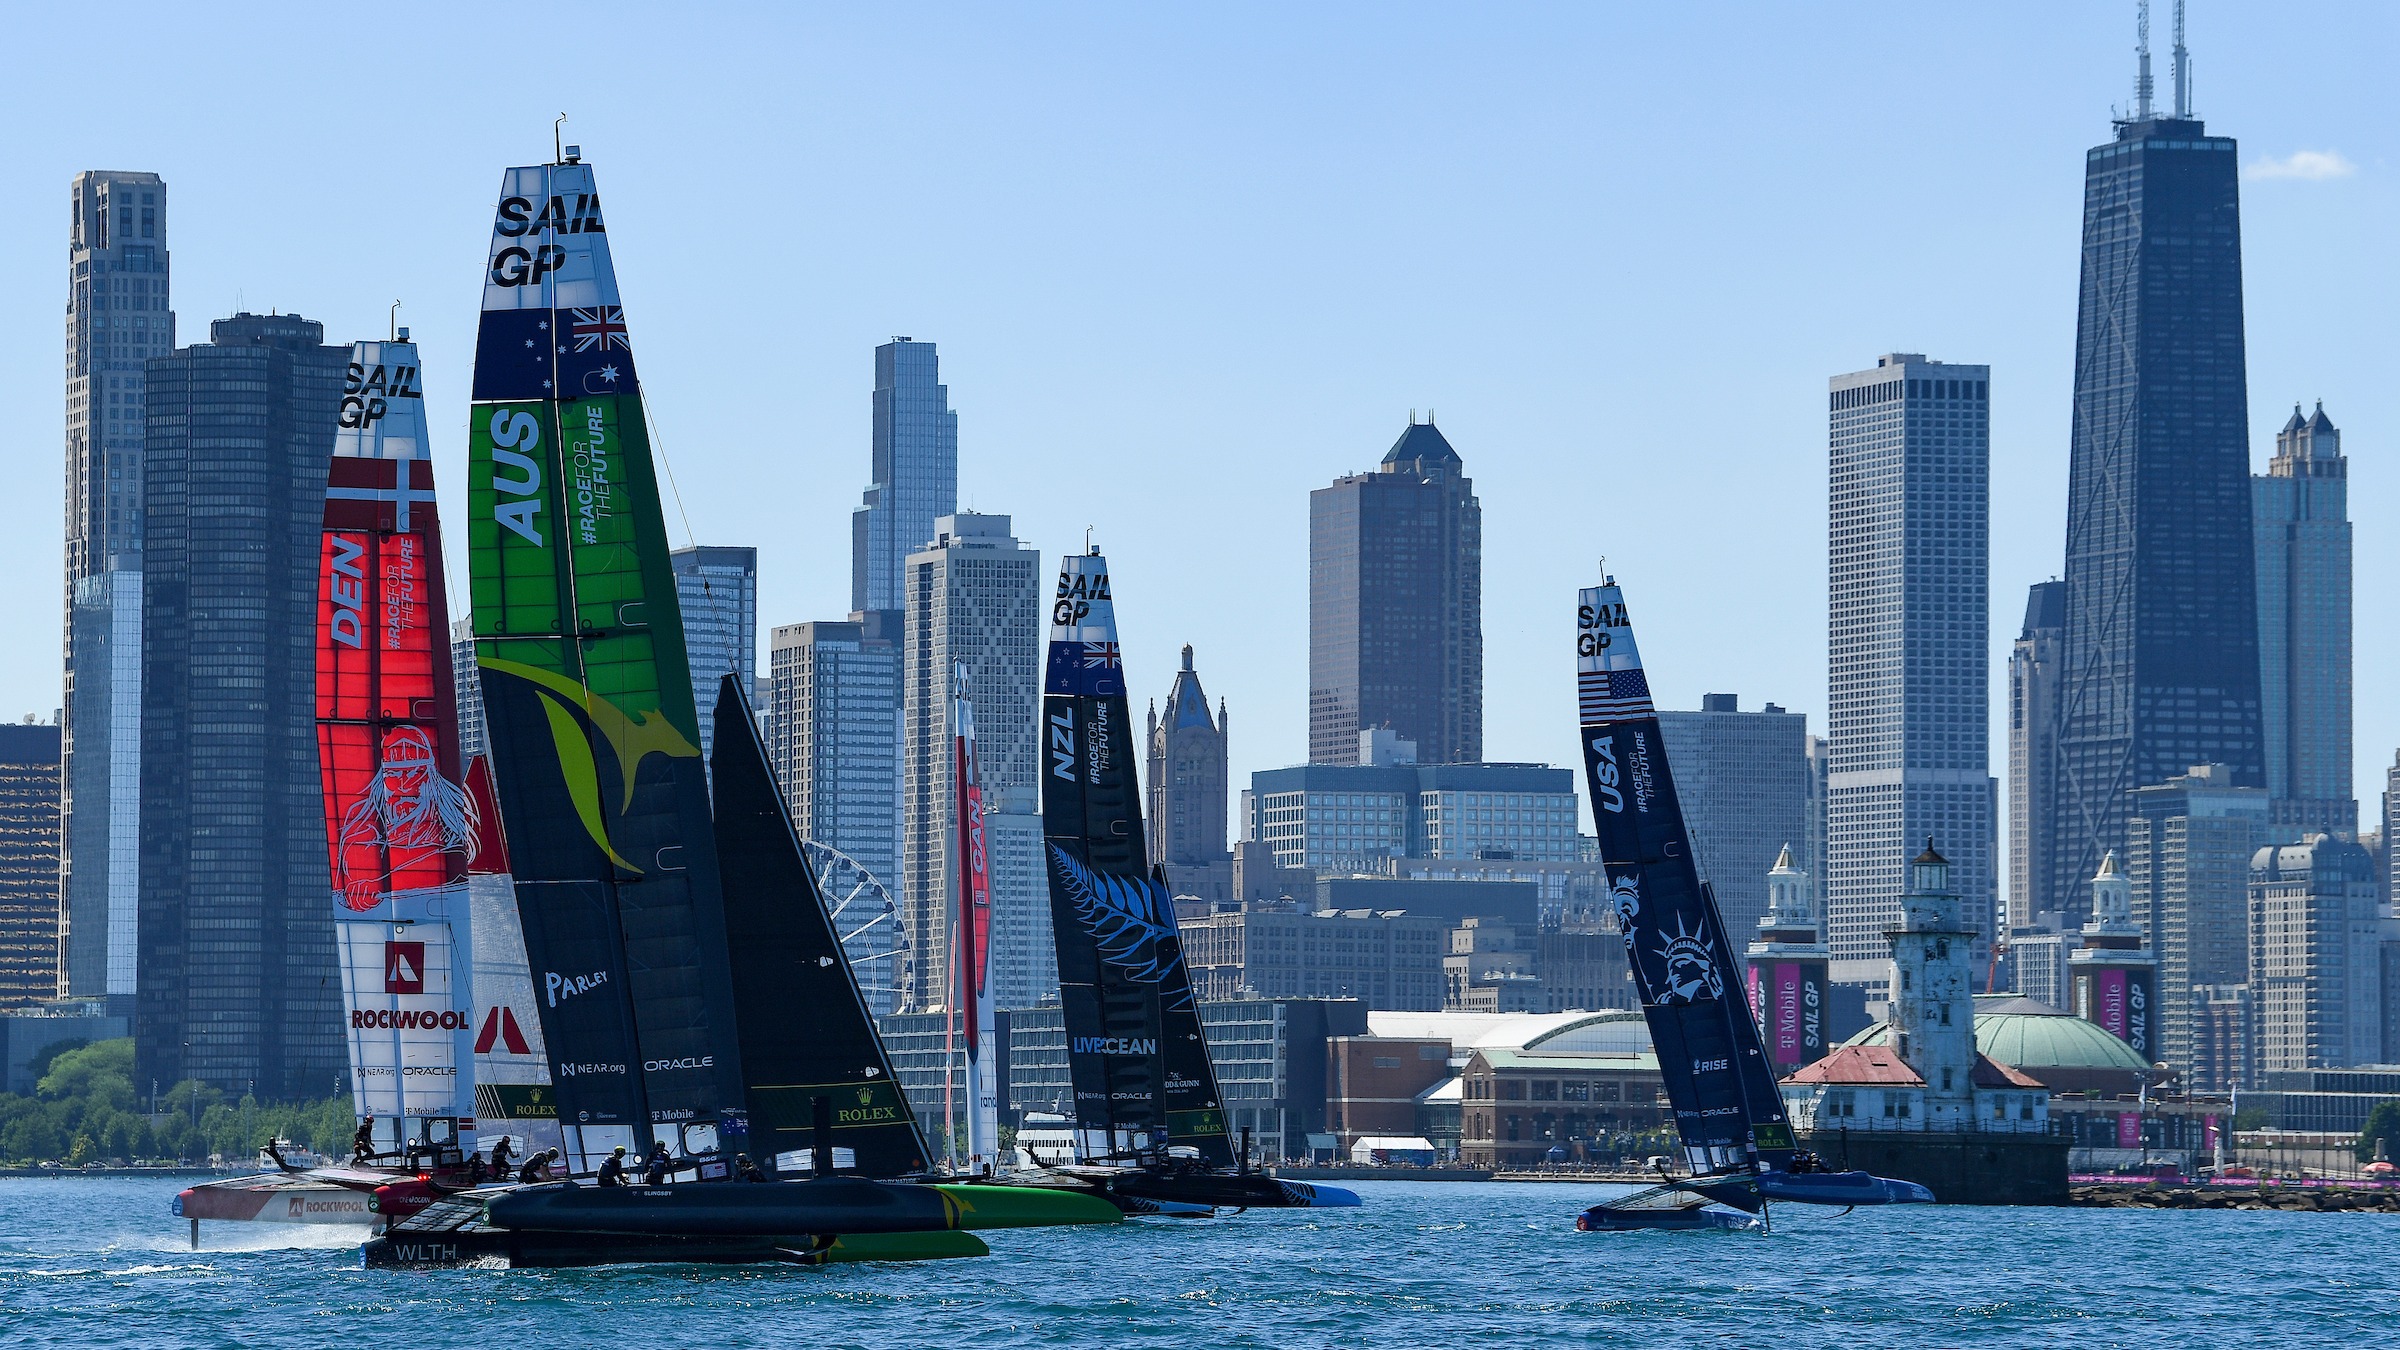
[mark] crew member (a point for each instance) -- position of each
(536, 1168)
(612, 1168)
(500, 1153)
(746, 1170)
(362, 1144)
(654, 1172)
(475, 1173)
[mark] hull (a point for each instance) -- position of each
(1601, 1219)
(500, 1247)
(1841, 1188)
(835, 1205)
(276, 1197)
(1194, 1193)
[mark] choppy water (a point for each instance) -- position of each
(102, 1263)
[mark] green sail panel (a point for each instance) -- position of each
(588, 696)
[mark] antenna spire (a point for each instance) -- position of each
(395, 321)
(2141, 81)
(2183, 68)
(558, 149)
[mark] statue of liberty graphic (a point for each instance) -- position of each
(409, 811)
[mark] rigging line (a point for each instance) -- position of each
(658, 443)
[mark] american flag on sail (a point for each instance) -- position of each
(1613, 695)
(600, 329)
(1101, 654)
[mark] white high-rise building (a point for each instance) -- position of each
(971, 597)
(117, 318)
(717, 589)
(1908, 557)
(1024, 952)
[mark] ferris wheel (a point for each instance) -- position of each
(866, 920)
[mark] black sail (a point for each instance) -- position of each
(1141, 1072)
(805, 1030)
(1727, 1108)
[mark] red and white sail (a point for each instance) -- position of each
(971, 942)
(400, 823)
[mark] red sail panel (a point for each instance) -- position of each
(397, 816)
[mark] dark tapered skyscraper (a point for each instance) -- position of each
(1395, 606)
(238, 986)
(2161, 648)
(915, 470)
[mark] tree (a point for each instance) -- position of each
(40, 1063)
(99, 1074)
(2383, 1125)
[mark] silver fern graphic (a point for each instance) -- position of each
(1132, 921)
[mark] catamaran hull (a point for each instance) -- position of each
(1192, 1195)
(275, 1197)
(1841, 1188)
(551, 1251)
(834, 1205)
(1602, 1219)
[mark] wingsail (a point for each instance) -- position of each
(400, 825)
(587, 693)
(1727, 1108)
(1142, 1076)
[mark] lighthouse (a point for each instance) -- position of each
(1787, 963)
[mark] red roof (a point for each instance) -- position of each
(1991, 1073)
(1881, 1066)
(1867, 1065)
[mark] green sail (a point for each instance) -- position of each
(587, 693)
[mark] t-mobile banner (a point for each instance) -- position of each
(2110, 1001)
(2208, 1134)
(2129, 1130)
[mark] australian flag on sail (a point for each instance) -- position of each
(526, 354)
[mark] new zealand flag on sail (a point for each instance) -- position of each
(527, 354)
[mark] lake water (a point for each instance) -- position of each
(89, 1263)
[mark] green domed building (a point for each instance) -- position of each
(2065, 1052)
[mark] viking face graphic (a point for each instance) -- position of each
(408, 812)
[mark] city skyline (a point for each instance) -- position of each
(1555, 459)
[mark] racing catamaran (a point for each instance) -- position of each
(676, 1015)
(1149, 1122)
(1737, 1141)
(400, 824)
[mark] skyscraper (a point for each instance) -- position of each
(2316, 961)
(29, 793)
(1395, 605)
(2161, 647)
(237, 959)
(2033, 673)
(466, 677)
(973, 599)
(915, 472)
(1186, 782)
(2299, 509)
(2188, 845)
(1909, 565)
(834, 710)
(717, 587)
(117, 318)
(1743, 777)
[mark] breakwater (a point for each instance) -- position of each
(2315, 1198)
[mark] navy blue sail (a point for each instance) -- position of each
(1142, 1076)
(1727, 1108)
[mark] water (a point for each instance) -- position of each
(88, 1263)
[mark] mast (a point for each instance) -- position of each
(588, 696)
(399, 824)
(1727, 1108)
(971, 939)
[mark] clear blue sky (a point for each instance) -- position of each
(1185, 265)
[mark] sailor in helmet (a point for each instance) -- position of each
(612, 1168)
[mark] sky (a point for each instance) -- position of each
(1186, 264)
